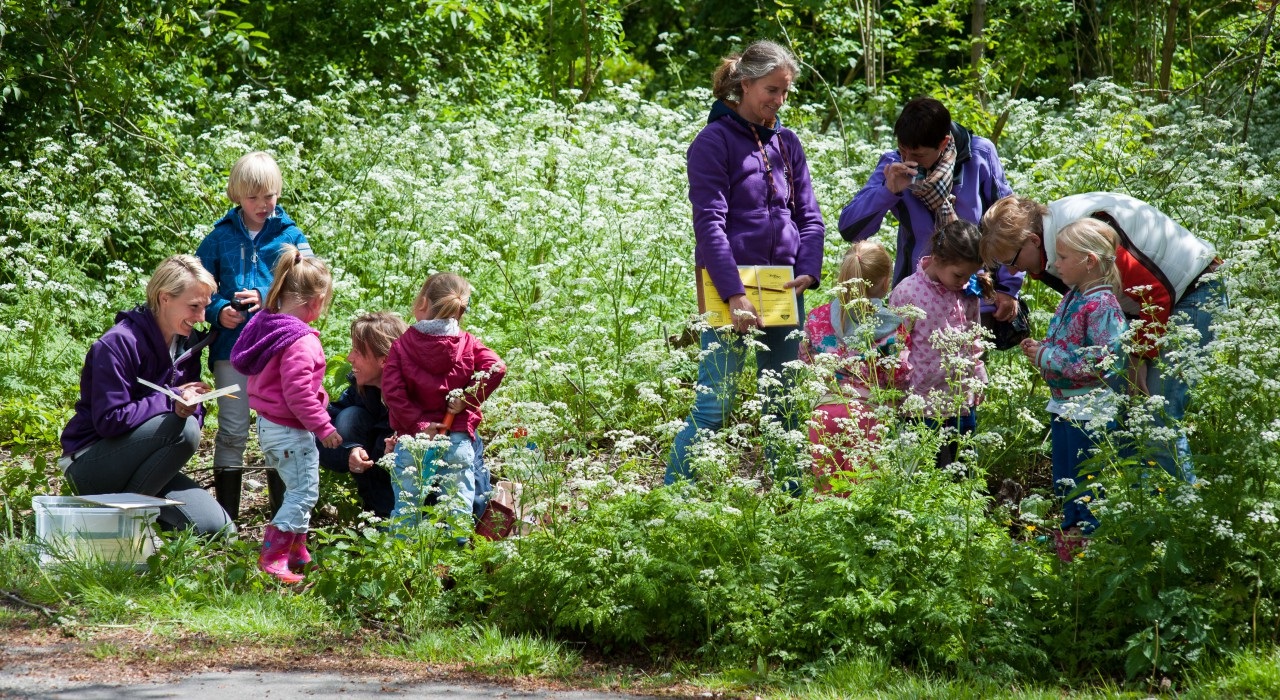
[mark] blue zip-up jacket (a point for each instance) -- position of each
(977, 182)
(739, 218)
(112, 402)
(238, 262)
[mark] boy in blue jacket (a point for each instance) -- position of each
(240, 253)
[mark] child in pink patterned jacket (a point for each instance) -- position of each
(870, 343)
(280, 353)
(1079, 357)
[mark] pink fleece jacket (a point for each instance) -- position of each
(290, 388)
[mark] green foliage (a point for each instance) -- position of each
(908, 560)
(572, 224)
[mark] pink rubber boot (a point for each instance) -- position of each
(274, 558)
(299, 557)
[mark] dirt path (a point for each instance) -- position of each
(126, 662)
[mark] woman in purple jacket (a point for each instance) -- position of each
(128, 438)
(753, 204)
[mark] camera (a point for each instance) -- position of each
(241, 306)
(921, 173)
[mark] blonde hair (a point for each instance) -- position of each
(373, 334)
(1008, 224)
(299, 278)
(444, 295)
(758, 60)
(866, 265)
(1095, 238)
(174, 275)
(254, 173)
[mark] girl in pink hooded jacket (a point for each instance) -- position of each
(435, 378)
(280, 353)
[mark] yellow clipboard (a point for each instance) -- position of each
(775, 304)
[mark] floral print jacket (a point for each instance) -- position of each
(1082, 349)
(873, 354)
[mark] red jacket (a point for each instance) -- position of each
(422, 369)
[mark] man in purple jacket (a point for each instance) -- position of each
(939, 172)
(753, 204)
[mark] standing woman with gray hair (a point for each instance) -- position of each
(753, 204)
(127, 437)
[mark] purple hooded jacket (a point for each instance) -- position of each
(738, 218)
(978, 182)
(112, 402)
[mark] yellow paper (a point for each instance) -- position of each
(775, 304)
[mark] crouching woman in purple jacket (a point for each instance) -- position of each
(126, 437)
(753, 204)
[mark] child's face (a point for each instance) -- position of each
(952, 275)
(1074, 267)
(256, 208)
(366, 366)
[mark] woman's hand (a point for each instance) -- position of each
(189, 392)
(358, 460)
(1006, 307)
(801, 283)
(1030, 347)
(743, 313)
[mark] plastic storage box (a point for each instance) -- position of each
(72, 528)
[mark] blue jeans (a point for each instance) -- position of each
(963, 425)
(293, 453)
(1196, 309)
(1072, 444)
(414, 482)
(718, 371)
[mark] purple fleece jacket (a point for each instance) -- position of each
(978, 182)
(738, 219)
(112, 402)
(285, 364)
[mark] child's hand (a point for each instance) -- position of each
(249, 299)
(358, 460)
(1030, 347)
(455, 405)
(333, 440)
(229, 317)
(389, 445)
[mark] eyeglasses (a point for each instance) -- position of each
(1013, 262)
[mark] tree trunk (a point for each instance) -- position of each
(1166, 50)
(977, 27)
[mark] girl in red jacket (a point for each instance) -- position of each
(280, 353)
(435, 378)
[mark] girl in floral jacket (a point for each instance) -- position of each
(1078, 358)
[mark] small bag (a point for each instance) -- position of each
(1007, 334)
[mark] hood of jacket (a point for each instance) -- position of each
(721, 109)
(437, 353)
(263, 337)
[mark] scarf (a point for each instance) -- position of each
(935, 189)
